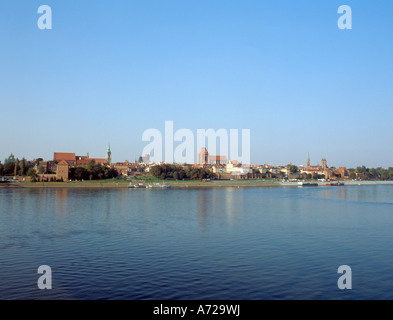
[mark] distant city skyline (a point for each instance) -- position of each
(306, 163)
(108, 71)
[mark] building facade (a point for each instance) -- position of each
(62, 170)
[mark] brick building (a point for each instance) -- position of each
(62, 171)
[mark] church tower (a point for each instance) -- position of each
(324, 164)
(203, 156)
(109, 155)
(308, 161)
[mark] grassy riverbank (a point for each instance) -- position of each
(107, 184)
(124, 184)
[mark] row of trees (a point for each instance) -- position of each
(19, 168)
(176, 172)
(93, 171)
(372, 174)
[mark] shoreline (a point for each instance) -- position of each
(179, 185)
(124, 185)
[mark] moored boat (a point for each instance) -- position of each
(135, 186)
(159, 186)
(307, 184)
(335, 184)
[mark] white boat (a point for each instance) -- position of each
(307, 184)
(139, 185)
(159, 186)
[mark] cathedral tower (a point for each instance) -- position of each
(308, 161)
(109, 155)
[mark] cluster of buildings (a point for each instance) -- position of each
(59, 168)
(224, 169)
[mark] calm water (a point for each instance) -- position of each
(257, 243)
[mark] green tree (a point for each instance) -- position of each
(81, 173)
(41, 169)
(9, 168)
(156, 171)
(37, 161)
(182, 174)
(362, 169)
(32, 173)
(23, 167)
(375, 173)
(293, 169)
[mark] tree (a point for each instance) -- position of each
(37, 161)
(9, 168)
(155, 171)
(163, 176)
(352, 175)
(362, 169)
(293, 169)
(23, 167)
(41, 169)
(81, 173)
(375, 173)
(182, 174)
(32, 173)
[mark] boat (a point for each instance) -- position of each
(159, 186)
(135, 186)
(335, 184)
(307, 184)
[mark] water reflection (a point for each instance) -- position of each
(231, 202)
(61, 196)
(358, 194)
(147, 244)
(219, 204)
(203, 207)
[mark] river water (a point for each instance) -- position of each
(219, 243)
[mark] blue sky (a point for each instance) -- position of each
(108, 70)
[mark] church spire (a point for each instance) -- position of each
(308, 160)
(109, 155)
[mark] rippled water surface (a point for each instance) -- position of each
(254, 243)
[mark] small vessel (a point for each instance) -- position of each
(159, 186)
(335, 184)
(139, 185)
(149, 186)
(307, 184)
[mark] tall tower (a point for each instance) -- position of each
(109, 155)
(308, 161)
(203, 156)
(324, 164)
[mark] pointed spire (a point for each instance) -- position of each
(308, 160)
(109, 155)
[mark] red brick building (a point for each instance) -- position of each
(70, 158)
(62, 171)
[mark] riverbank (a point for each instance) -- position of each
(178, 184)
(109, 185)
(346, 183)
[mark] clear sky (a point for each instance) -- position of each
(108, 70)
